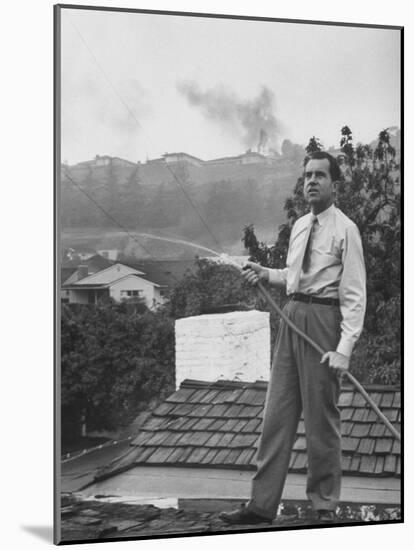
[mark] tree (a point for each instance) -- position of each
(313, 145)
(114, 361)
(211, 286)
(346, 143)
(368, 193)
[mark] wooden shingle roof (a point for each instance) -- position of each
(218, 424)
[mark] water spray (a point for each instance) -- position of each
(182, 242)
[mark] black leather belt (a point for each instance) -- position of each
(311, 299)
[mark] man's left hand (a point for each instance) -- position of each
(337, 361)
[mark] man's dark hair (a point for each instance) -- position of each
(334, 169)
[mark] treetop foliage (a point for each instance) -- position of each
(114, 361)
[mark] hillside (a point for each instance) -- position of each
(107, 194)
(229, 193)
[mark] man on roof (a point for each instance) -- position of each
(325, 281)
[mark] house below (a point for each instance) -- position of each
(156, 278)
(118, 282)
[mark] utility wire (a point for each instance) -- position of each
(114, 220)
(194, 207)
(132, 114)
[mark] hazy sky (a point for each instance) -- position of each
(138, 85)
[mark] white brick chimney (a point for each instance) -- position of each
(224, 346)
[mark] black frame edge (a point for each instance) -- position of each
(56, 275)
(228, 16)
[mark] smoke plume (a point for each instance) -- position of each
(250, 120)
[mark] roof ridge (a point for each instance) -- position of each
(262, 384)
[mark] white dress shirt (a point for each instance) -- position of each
(336, 269)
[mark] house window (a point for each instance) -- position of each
(131, 293)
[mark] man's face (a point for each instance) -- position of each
(318, 187)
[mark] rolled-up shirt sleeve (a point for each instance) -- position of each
(277, 276)
(352, 291)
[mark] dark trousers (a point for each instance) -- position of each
(299, 381)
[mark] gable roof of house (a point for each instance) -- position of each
(218, 424)
(84, 284)
(111, 272)
(69, 269)
(107, 276)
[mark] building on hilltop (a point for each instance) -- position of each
(249, 157)
(105, 160)
(173, 158)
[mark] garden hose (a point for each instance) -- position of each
(266, 295)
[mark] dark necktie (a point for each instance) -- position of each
(308, 249)
(298, 264)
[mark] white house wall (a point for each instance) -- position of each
(133, 283)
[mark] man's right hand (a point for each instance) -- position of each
(253, 273)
